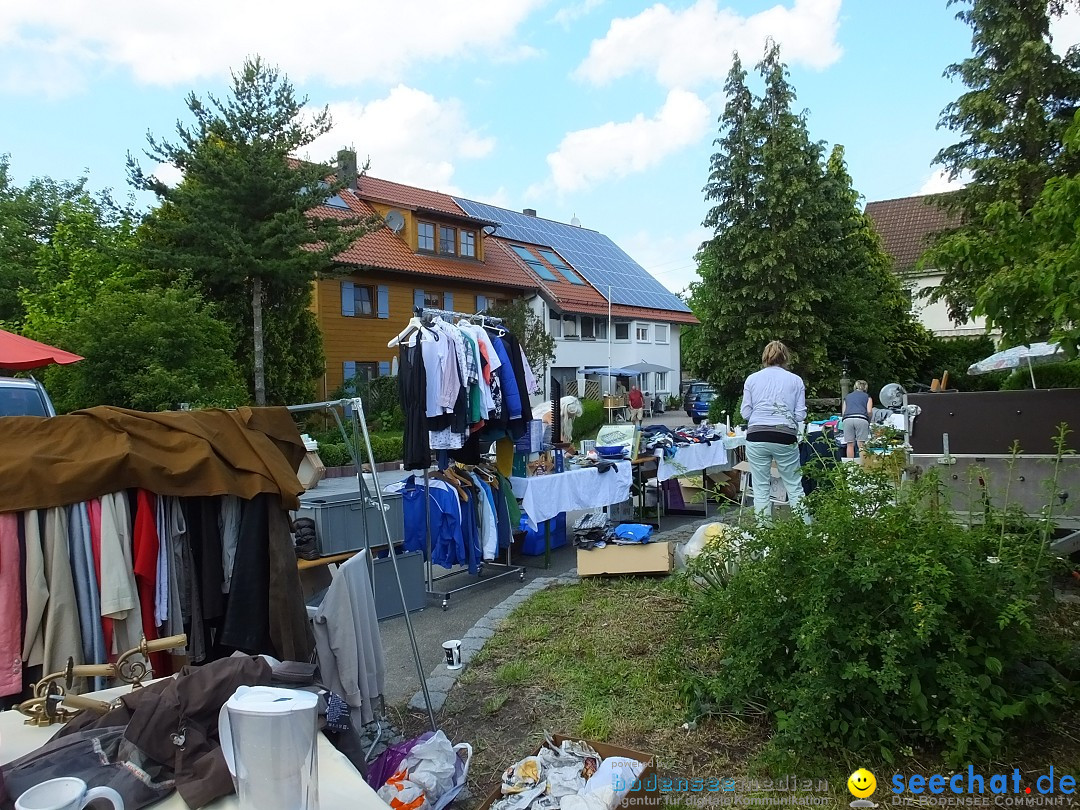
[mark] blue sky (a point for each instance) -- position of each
(606, 109)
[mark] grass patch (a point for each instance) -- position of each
(593, 660)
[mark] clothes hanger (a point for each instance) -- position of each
(414, 325)
(453, 483)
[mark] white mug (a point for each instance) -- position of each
(67, 793)
(452, 651)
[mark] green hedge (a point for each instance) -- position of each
(386, 448)
(1056, 375)
(590, 421)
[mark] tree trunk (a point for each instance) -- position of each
(257, 333)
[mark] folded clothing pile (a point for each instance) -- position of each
(570, 776)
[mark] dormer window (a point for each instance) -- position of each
(468, 244)
(425, 236)
(447, 240)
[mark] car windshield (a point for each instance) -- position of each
(19, 401)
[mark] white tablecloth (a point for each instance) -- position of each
(341, 787)
(691, 458)
(545, 496)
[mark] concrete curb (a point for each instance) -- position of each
(441, 679)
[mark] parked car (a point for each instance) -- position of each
(24, 396)
(691, 391)
(700, 406)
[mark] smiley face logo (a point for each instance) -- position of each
(861, 783)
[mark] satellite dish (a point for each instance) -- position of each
(892, 395)
(394, 221)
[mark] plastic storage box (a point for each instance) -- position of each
(341, 517)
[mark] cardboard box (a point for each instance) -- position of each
(645, 793)
(639, 558)
(312, 470)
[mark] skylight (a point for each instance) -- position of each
(561, 266)
(538, 267)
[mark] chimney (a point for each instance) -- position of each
(529, 212)
(346, 161)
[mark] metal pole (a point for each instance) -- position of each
(609, 340)
(358, 418)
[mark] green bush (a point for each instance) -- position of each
(1056, 375)
(592, 417)
(885, 624)
(334, 455)
(716, 412)
(386, 448)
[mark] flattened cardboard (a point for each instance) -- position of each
(613, 560)
(644, 794)
(312, 470)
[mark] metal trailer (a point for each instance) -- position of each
(970, 438)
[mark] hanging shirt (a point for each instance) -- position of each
(172, 534)
(62, 637)
(37, 592)
(11, 606)
(511, 394)
(530, 379)
(87, 596)
(119, 593)
(145, 557)
(161, 581)
(229, 524)
(434, 352)
(489, 538)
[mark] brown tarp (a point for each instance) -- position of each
(60, 460)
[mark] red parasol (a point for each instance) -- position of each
(19, 353)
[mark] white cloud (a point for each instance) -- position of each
(166, 43)
(565, 16)
(687, 47)
(168, 174)
(588, 156)
(669, 258)
(410, 136)
(939, 183)
(1065, 31)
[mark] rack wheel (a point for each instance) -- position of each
(445, 604)
(521, 576)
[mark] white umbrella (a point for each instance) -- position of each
(1034, 354)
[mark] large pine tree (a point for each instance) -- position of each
(792, 258)
(241, 222)
(1021, 98)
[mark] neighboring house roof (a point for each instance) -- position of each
(383, 249)
(906, 226)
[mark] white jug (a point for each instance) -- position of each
(269, 739)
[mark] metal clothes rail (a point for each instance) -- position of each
(359, 423)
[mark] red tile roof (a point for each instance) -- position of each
(385, 250)
(409, 196)
(653, 314)
(905, 226)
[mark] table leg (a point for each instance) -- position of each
(547, 544)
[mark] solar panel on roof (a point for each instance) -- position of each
(592, 254)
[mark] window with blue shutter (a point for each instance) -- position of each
(481, 303)
(350, 370)
(448, 300)
(418, 298)
(383, 294)
(384, 368)
(348, 299)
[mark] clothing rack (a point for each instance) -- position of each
(506, 569)
(423, 312)
(360, 426)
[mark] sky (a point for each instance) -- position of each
(606, 110)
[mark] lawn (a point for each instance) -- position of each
(591, 660)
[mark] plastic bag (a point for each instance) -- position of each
(389, 761)
(401, 793)
(431, 764)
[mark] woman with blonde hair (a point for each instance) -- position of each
(857, 412)
(774, 407)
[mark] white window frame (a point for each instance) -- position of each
(656, 333)
(592, 327)
(629, 331)
(638, 326)
(555, 324)
(661, 382)
(600, 328)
